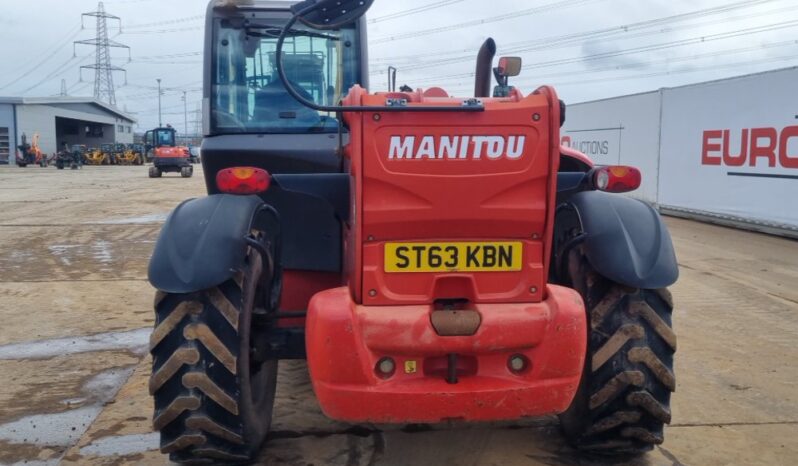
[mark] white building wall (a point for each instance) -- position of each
(725, 151)
(125, 137)
(37, 119)
(619, 131)
(41, 119)
(730, 148)
(8, 133)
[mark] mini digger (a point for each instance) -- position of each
(165, 154)
(432, 257)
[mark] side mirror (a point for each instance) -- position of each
(330, 14)
(509, 67)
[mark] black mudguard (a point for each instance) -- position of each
(625, 240)
(202, 244)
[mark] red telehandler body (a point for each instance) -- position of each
(432, 258)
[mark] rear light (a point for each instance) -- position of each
(617, 179)
(243, 180)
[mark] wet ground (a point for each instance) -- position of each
(75, 312)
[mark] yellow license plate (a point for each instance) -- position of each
(454, 257)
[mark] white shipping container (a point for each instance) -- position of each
(619, 131)
(730, 149)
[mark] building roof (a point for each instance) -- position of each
(61, 100)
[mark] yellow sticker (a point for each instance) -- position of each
(410, 367)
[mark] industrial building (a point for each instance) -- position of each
(58, 120)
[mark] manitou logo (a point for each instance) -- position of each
(457, 147)
(777, 148)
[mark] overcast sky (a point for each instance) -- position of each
(589, 49)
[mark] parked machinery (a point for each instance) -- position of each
(28, 154)
(167, 156)
(69, 157)
(98, 155)
(127, 154)
(141, 152)
(432, 257)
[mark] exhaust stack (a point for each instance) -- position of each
(484, 71)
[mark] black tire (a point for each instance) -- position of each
(211, 403)
(186, 172)
(623, 401)
(155, 172)
(59, 165)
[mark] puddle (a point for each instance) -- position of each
(144, 219)
(133, 340)
(61, 430)
(103, 386)
(65, 429)
(122, 445)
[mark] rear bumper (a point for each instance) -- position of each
(346, 341)
(171, 162)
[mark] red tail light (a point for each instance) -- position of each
(617, 179)
(243, 180)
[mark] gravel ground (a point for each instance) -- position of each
(75, 309)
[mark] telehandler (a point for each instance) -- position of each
(432, 257)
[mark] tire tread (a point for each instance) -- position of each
(624, 402)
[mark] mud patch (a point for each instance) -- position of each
(133, 340)
(29, 455)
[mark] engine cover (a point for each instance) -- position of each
(452, 205)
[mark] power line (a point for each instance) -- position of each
(165, 22)
(667, 45)
(172, 55)
(63, 43)
(538, 78)
(477, 22)
(164, 31)
(58, 71)
(735, 65)
(648, 48)
(412, 11)
(551, 42)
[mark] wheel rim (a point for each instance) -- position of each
(257, 379)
